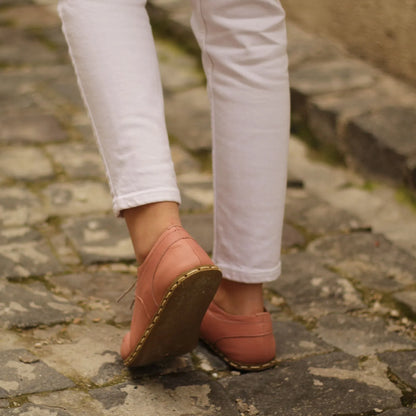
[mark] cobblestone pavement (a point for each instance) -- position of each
(344, 309)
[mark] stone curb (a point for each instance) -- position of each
(367, 116)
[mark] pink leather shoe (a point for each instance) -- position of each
(174, 288)
(245, 342)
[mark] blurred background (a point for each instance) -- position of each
(380, 31)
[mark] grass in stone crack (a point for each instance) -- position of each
(317, 150)
(407, 197)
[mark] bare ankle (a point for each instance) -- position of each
(240, 298)
(147, 222)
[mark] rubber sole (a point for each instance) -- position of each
(174, 329)
(240, 366)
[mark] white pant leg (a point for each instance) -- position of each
(113, 52)
(243, 46)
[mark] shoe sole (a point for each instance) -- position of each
(174, 329)
(240, 366)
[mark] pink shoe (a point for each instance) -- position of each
(245, 342)
(175, 286)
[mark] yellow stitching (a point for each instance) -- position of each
(239, 366)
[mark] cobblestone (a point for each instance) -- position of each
(22, 373)
(318, 386)
(19, 206)
(387, 135)
(76, 198)
(370, 259)
(190, 128)
(32, 126)
(311, 290)
(25, 163)
(343, 310)
(31, 305)
(24, 253)
(297, 342)
(408, 299)
(360, 336)
(99, 239)
(77, 160)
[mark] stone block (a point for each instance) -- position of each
(188, 118)
(87, 351)
(331, 384)
(32, 409)
(196, 191)
(202, 199)
(25, 164)
(337, 75)
(184, 162)
(19, 206)
(31, 305)
(190, 393)
(304, 48)
(61, 87)
(78, 160)
(360, 336)
(318, 217)
(382, 142)
(293, 341)
(30, 127)
(24, 253)
(23, 373)
(179, 70)
(369, 259)
(400, 412)
(407, 299)
(207, 361)
(291, 237)
(190, 204)
(14, 41)
(318, 78)
(170, 365)
(311, 290)
(328, 114)
(74, 401)
(100, 239)
(172, 18)
(67, 199)
(200, 226)
(402, 364)
(99, 291)
(29, 16)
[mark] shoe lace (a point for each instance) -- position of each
(125, 293)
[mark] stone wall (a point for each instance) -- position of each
(380, 31)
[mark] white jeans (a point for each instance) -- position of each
(243, 45)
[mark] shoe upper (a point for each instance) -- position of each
(242, 339)
(174, 253)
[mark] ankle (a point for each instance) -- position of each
(240, 298)
(147, 222)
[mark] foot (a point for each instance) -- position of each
(147, 222)
(176, 284)
(237, 327)
(245, 342)
(240, 298)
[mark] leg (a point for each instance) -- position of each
(113, 52)
(114, 56)
(243, 44)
